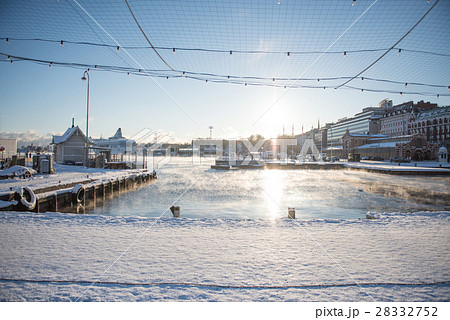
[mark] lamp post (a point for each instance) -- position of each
(86, 73)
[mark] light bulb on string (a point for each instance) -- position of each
(399, 51)
(7, 40)
(228, 77)
(362, 78)
(279, 1)
(406, 84)
(173, 50)
(437, 96)
(9, 58)
(318, 80)
(50, 65)
(288, 54)
(273, 79)
(345, 54)
(95, 67)
(118, 48)
(128, 73)
(62, 43)
(448, 88)
(353, 3)
(231, 53)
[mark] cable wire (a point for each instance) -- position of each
(381, 57)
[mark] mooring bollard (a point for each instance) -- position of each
(175, 211)
(291, 213)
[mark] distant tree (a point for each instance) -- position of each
(254, 138)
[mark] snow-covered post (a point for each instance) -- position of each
(291, 213)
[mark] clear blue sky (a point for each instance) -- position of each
(36, 97)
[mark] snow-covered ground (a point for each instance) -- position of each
(64, 175)
(224, 259)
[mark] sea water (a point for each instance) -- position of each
(202, 192)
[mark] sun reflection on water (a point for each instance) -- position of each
(273, 184)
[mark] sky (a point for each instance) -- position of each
(38, 100)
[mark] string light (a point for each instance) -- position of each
(229, 79)
(139, 71)
(437, 96)
(401, 93)
(448, 88)
(7, 40)
(50, 65)
(167, 78)
(231, 53)
(362, 78)
(406, 84)
(184, 73)
(279, 1)
(11, 61)
(62, 43)
(173, 50)
(128, 73)
(318, 80)
(95, 67)
(288, 54)
(345, 54)
(353, 3)
(9, 58)
(118, 48)
(399, 51)
(362, 90)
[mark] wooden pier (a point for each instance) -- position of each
(75, 197)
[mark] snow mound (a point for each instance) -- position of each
(17, 171)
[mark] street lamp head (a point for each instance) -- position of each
(84, 75)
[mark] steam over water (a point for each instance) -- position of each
(266, 194)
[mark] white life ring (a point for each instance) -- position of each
(27, 198)
(78, 193)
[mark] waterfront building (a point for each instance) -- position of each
(352, 141)
(8, 148)
(396, 119)
(434, 124)
(365, 122)
(70, 147)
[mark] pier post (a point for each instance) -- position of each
(291, 213)
(175, 211)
